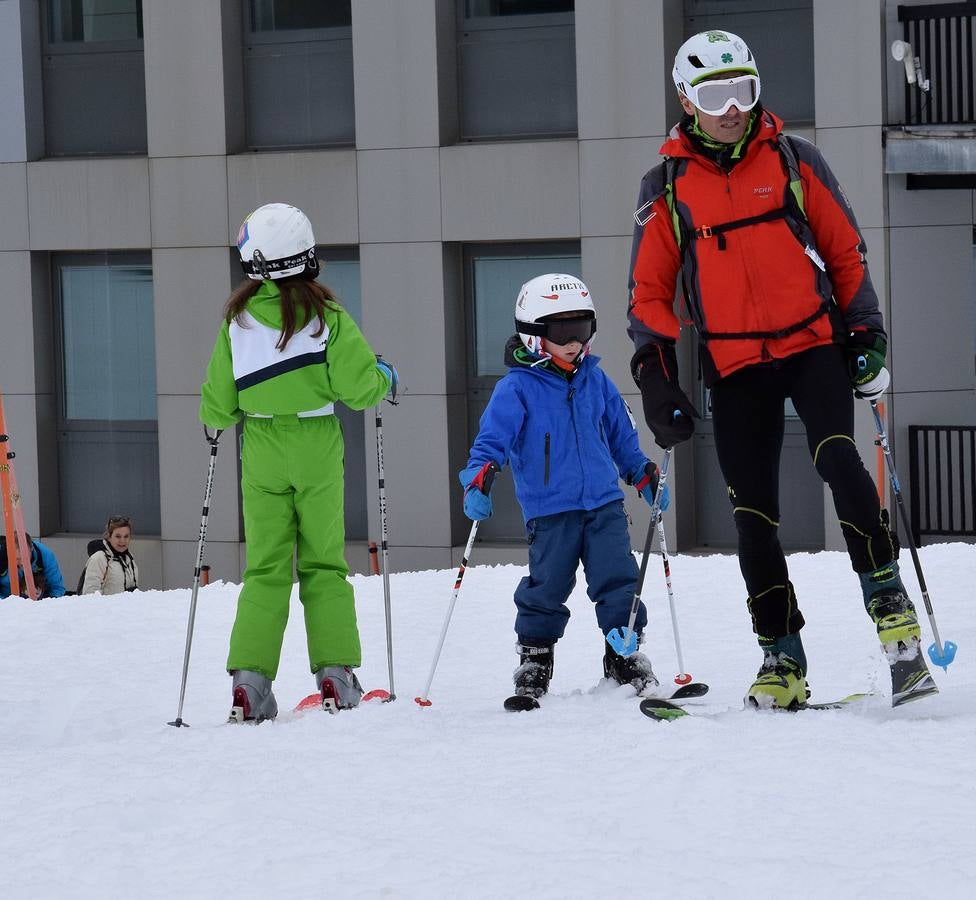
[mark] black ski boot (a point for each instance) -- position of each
(634, 670)
(535, 669)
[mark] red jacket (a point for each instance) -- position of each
(755, 293)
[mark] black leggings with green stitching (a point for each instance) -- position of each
(748, 420)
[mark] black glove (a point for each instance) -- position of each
(668, 411)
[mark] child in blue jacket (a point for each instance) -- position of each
(44, 566)
(569, 436)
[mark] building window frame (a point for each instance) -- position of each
(298, 134)
(470, 253)
(53, 47)
(72, 430)
(487, 117)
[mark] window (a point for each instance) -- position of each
(781, 37)
(95, 20)
(493, 276)
(298, 78)
(93, 75)
(517, 69)
(108, 453)
(340, 272)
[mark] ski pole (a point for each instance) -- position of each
(682, 677)
(486, 487)
(381, 476)
(940, 654)
(624, 640)
(178, 722)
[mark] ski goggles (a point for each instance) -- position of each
(561, 331)
(716, 97)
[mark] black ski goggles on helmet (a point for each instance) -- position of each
(561, 331)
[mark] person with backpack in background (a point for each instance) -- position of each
(44, 566)
(111, 568)
(775, 280)
(286, 352)
(569, 436)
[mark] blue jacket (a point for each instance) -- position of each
(568, 442)
(47, 573)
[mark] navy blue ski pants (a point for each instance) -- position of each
(598, 538)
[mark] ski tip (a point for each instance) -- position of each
(661, 710)
(520, 703)
(682, 679)
(312, 701)
(422, 701)
(692, 689)
(377, 694)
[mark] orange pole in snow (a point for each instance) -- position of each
(13, 515)
(879, 479)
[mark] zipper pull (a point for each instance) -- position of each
(569, 396)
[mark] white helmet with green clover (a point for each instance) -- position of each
(545, 300)
(276, 241)
(703, 59)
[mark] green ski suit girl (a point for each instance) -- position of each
(291, 473)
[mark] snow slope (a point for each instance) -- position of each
(585, 798)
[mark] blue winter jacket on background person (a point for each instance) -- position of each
(569, 442)
(45, 568)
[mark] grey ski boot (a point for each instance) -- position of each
(254, 701)
(339, 687)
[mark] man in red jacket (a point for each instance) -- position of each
(773, 271)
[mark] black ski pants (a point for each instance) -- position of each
(748, 420)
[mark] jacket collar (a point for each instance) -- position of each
(681, 145)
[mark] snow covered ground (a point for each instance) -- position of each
(585, 798)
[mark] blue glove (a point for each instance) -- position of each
(647, 484)
(476, 480)
(391, 373)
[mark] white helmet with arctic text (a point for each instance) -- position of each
(545, 306)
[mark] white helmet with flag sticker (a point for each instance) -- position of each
(276, 241)
(545, 309)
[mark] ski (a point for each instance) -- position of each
(666, 711)
(314, 701)
(523, 703)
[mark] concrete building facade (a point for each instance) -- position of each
(424, 186)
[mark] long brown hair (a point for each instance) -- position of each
(298, 293)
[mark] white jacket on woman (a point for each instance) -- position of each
(109, 572)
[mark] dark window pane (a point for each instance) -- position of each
(497, 281)
(473, 8)
(342, 278)
(108, 343)
(283, 15)
(108, 448)
(90, 21)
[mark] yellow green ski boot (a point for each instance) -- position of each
(898, 630)
(781, 682)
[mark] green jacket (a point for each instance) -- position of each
(248, 374)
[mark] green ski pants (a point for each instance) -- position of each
(292, 484)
